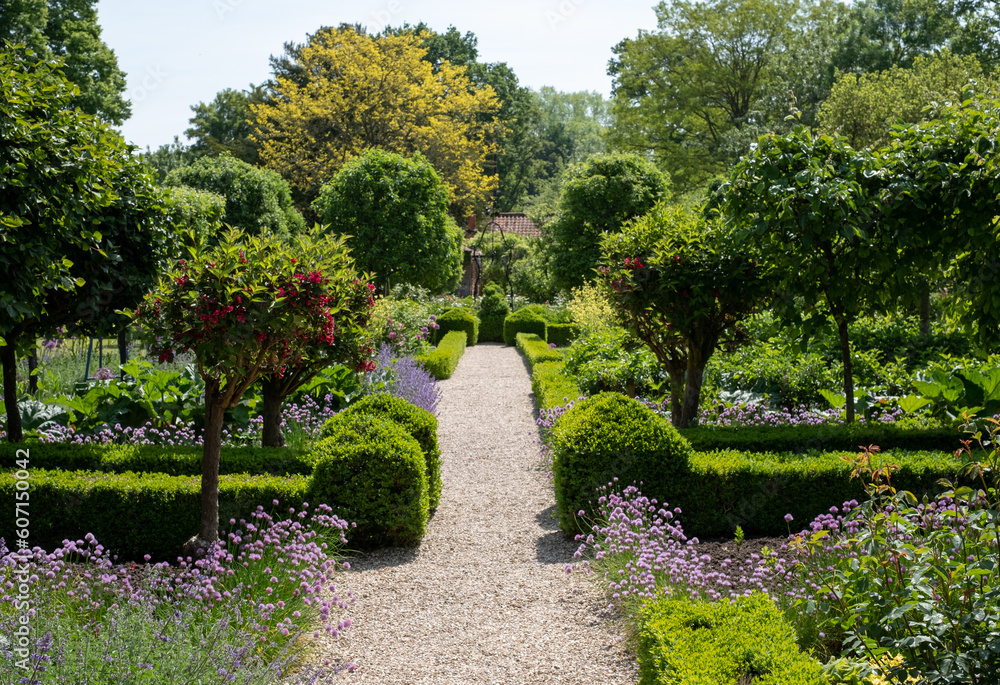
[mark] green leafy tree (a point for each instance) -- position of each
(167, 158)
(679, 92)
(863, 107)
(683, 286)
(68, 30)
(195, 216)
(257, 200)
(81, 225)
(224, 125)
(394, 211)
(812, 207)
(245, 308)
(349, 301)
(599, 195)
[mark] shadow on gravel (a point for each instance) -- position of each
(553, 547)
(386, 557)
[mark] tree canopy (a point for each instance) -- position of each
(224, 124)
(394, 211)
(599, 195)
(351, 92)
(68, 30)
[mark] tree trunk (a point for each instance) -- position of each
(8, 356)
(845, 354)
(925, 309)
(32, 376)
(215, 410)
(272, 435)
(676, 373)
(122, 350)
(692, 395)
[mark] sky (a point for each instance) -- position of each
(178, 53)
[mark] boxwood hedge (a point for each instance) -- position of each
(442, 361)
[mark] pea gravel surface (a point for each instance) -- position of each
(485, 598)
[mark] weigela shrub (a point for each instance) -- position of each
(610, 436)
(371, 472)
(419, 423)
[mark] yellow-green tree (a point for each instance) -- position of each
(863, 107)
(352, 92)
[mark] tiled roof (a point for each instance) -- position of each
(515, 222)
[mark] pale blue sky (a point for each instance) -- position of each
(180, 52)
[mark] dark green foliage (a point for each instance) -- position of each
(134, 514)
(419, 423)
(802, 439)
(718, 643)
(372, 473)
(493, 310)
(257, 200)
(562, 334)
(395, 209)
(173, 461)
(599, 195)
(458, 319)
(730, 488)
(535, 349)
(223, 125)
(443, 360)
(610, 436)
(523, 321)
(552, 386)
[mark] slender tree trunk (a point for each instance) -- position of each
(925, 308)
(123, 349)
(272, 435)
(215, 410)
(845, 354)
(32, 376)
(676, 373)
(697, 358)
(8, 356)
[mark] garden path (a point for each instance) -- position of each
(485, 598)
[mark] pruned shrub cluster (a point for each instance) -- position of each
(443, 360)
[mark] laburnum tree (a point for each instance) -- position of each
(82, 228)
(347, 92)
(247, 308)
(682, 285)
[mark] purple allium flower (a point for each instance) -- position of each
(788, 518)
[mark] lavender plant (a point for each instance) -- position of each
(403, 377)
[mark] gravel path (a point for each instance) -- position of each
(485, 598)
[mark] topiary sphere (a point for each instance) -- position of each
(610, 436)
(419, 423)
(372, 473)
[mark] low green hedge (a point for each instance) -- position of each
(173, 461)
(419, 423)
(609, 436)
(371, 472)
(536, 350)
(754, 490)
(133, 514)
(820, 438)
(562, 334)
(522, 321)
(721, 643)
(457, 319)
(553, 387)
(442, 361)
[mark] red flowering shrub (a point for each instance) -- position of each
(248, 310)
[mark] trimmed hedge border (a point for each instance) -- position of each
(133, 514)
(562, 334)
(456, 319)
(553, 387)
(729, 488)
(822, 438)
(442, 361)
(684, 641)
(535, 349)
(522, 321)
(169, 460)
